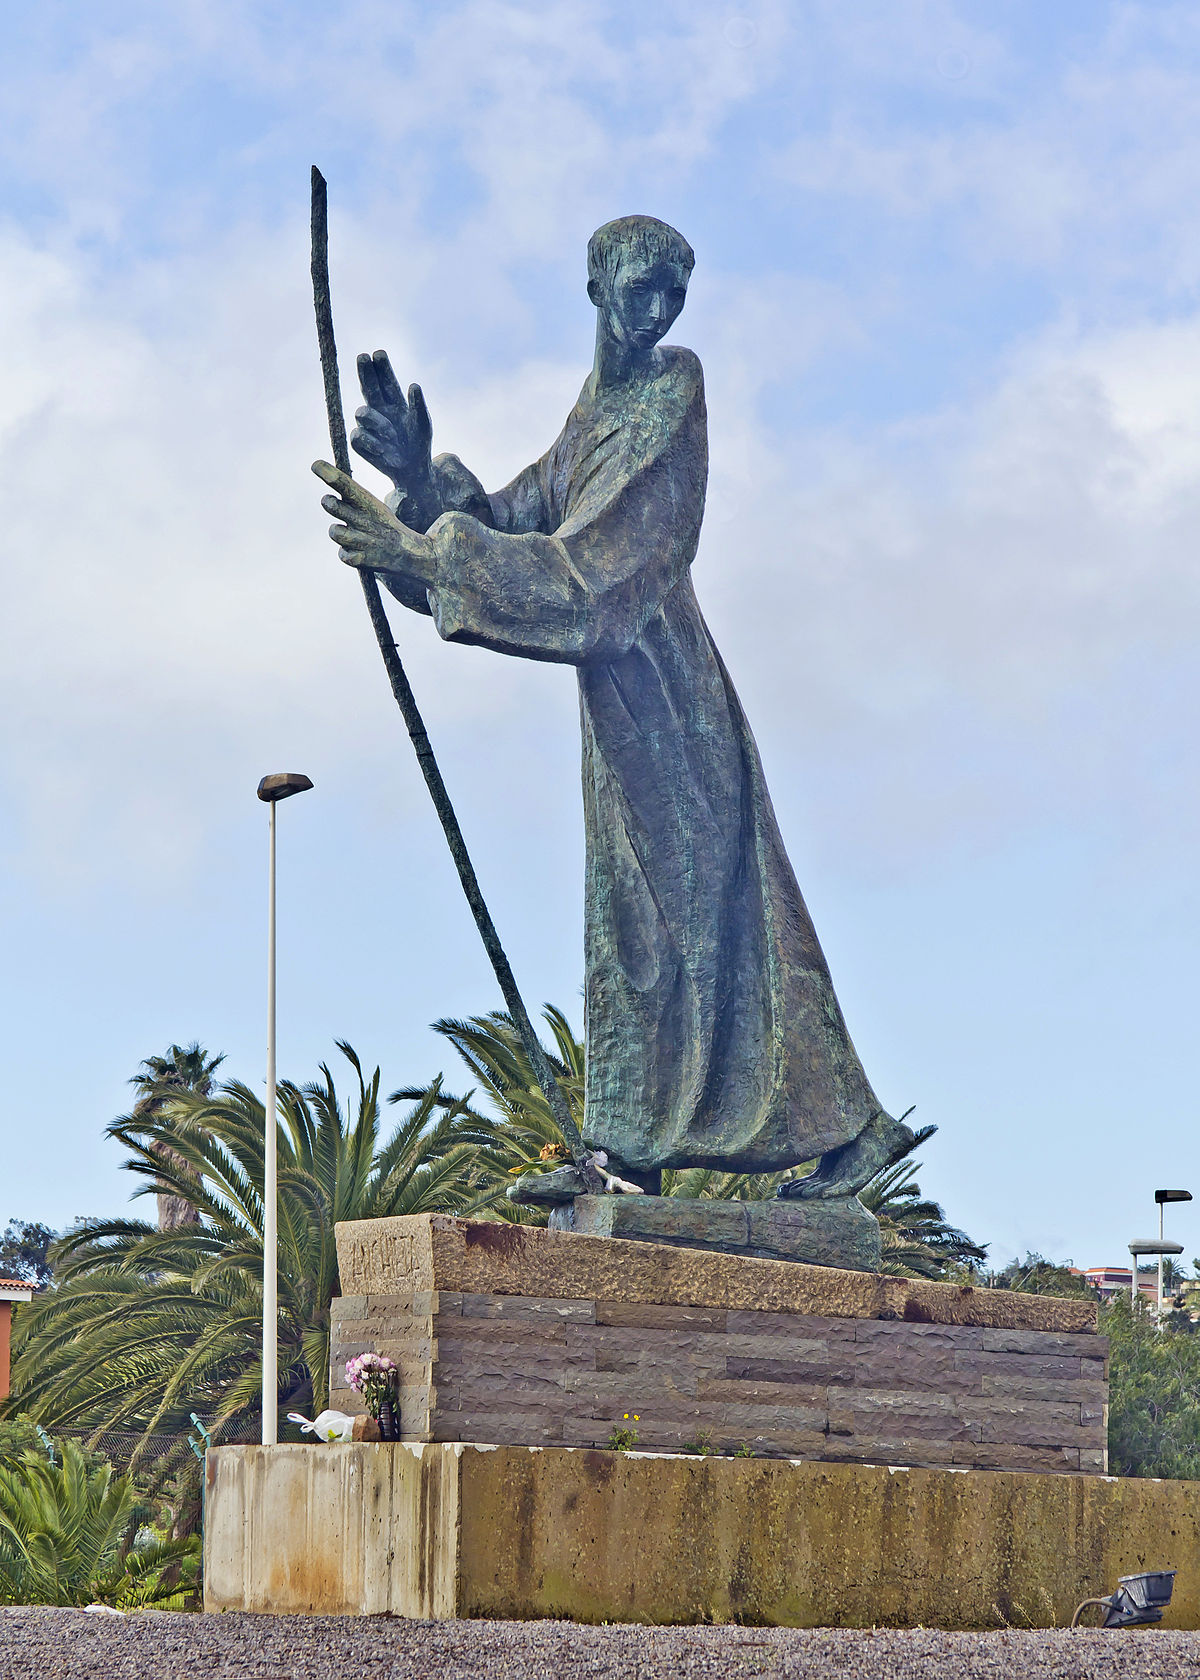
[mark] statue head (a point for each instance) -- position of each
(638, 272)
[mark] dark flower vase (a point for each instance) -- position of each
(389, 1422)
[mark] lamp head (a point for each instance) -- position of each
(282, 786)
(1161, 1196)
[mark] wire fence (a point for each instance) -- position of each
(154, 1447)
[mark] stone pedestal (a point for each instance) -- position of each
(522, 1336)
(820, 1233)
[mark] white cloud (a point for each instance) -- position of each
(980, 621)
(173, 607)
(1070, 156)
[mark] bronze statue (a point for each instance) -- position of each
(714, 1037)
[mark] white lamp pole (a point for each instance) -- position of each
(272, 789)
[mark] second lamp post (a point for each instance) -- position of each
(272, 789)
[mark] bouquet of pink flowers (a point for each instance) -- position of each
(375, 1377)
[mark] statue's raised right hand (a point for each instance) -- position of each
(393, 434)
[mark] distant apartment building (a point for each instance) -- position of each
(1118, 1280)
(12, 1292)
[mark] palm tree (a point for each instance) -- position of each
(701, 1183)
(525, 1136)
(185, 1069)
(146, 1326)
(1173, 1275)
(66, 1537)
(492, 1049)
(917, 1241)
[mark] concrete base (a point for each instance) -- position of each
(517, 1532)
(839, 1232)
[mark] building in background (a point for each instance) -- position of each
(12, 1291)
(1118, 1280)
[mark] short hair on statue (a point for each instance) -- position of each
(636, 236)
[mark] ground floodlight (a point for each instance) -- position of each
(1138, 1599)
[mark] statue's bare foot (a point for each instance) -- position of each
(844, 1171)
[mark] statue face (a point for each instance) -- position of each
(641, 302)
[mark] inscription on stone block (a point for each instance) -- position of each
(383, 1256)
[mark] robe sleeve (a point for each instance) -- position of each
(520, 506)
(584, 591)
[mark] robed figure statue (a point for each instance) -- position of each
(713, 1034)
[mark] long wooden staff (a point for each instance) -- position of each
(413, 721)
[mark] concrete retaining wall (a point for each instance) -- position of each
(446, 1531)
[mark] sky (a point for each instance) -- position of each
(947, 298)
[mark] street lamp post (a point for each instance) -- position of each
(271, 790)
(1162, 1197)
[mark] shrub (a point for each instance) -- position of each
(65, 1538)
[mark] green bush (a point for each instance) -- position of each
(68, 1537)
(1154, 1393)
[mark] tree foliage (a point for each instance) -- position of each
(25, 1250)
(917, 1240)
(524, 1134)
(18, 1435)
(1154, 1392)
(1035, 1275)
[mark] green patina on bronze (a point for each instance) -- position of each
(714, 1037)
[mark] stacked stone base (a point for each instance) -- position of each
(525, 1337)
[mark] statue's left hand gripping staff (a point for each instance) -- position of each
(416, 727)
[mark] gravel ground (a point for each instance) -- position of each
(49, 1643)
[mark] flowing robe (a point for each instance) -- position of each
(713, 1034)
